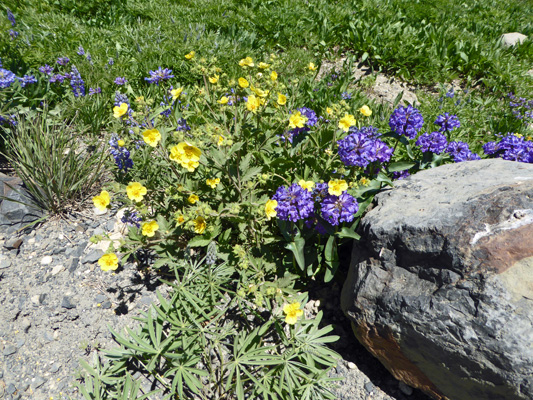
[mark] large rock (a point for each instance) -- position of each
(512, 39)
(440, 288)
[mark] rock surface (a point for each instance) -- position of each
(441, 288)
(511, 39)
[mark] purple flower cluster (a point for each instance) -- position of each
(362, 147)
(57, 78)
(26, 80)
(120, 154)
(294, 203)
(399, 175)
(76, 82)
(111, 61)
(337, 209)
(131, 218)
(406, 121)
(46, 69)
(159, 75)
(6, 78)
(511, 147)
(11, 17)
(63, 61)
(121, 98)
(346, 96)
(447, 122)
(461, 152)
(182, 125)
(120, 80)
(434, 142)
(95, 91)
(13, 34)
(522, 107)
(81, 51)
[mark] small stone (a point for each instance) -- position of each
(99, 298)
(97, 211)
(369, 387)
(67, 303)
(405, 389)
(110, 225)
(48, 337)
(351, 365)
(25, 325)
(20, 343)
(10, 350)
(106, 305)
(36, 382)
(512, 39)
(47, 260)
(12, 244)
(92, 257)
(31, 240)
(72, 264)
(55, 367)
(4, 262)
(57, 269)
(11, 389)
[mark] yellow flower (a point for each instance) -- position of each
(190, 56)
(220, 140)
(282, 99)
(213, 182)
(253, 103)
(297, 120)
(180, 219)
(243, 83)
(149, 228)
(308, 185)
(312, 67)
(151, 137)
(223, 100)
(366, 111)
(193, 198)
(263, 65)
(260, 92)
(121, 143)
(139, 99)
(199, 225)
(176, 93)
(213, 79)
(102, 201)
(337, 186)
(186, 155)
(346, 121)
(329, 110)
(108, 261)
(136, 191)
(246, 62)
(270, 208)
(119, 111)
(293, 312)
(364, 181)
(274, 75)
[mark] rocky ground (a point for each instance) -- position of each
(56, 305)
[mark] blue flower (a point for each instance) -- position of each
(346, 96)
(14, 34)
(119, 80)
(312, 120)
(294, 203)
(447, 122)
(46, 69)
(111, 61)
(120, 154)
(399, 175)
(81, 51)
(159, 75)
(11, 17)
(94, 91)
(57, 78)
(461, 152)
(337, 209)
(360, 149)
(511, 147)
(131, 218)
(63, 61)
(26, 80)
(435, 142)
(76, 82)
(6, 78)
(406, 121)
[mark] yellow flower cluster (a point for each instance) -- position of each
(108, 262)
(187, 155)
(212, 182)
(297, 120)
(292, 312)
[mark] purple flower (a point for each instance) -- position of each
(182, 125)
(121, 98)
(63, 61)
(131, 218)
(57, 78)
(294, 203)
(336, 209)
(11, 17)
(406, 121)
(6, 78)
(358, 149)
(46, 69)
(94, 91)
(76, 82)
(159, 75)
(26, 80)
(514, 148)
(310, 115)
(461, 152)
(120, 154)
(490, 148)
(435, 142)
(346, 96)
(447, 122)
(399, 175)
(450, 93)
(111, 61)
(81, 51)
(119, 80)
(88, 57)
(14, 34)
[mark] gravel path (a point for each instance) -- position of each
(56, 305)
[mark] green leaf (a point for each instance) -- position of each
(297, 248)
(400, 166)
(332, 258)
(348, 233)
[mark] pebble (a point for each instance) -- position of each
(57, 269)
(405, 389)
(351, 365)
(9, 350)
(369, 387)
(11, 388)
(47, 260)
(92, 257)
(67, 303)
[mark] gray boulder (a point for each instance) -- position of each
(511, 39)
(17, 209)
(440, 288)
